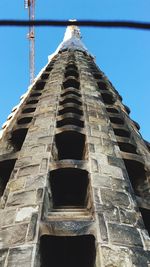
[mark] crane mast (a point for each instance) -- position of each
(30, 5)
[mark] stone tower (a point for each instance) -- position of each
(74, 172)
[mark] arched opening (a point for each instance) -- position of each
(28, 110)
(67, 251)
(108, 98)
(24, 120)
(70, 145)
(71, 72)
(70, 121)
(18, 137)
(70, 93)
(126, 147)
(71, 67)
(6, 168)
(69, 188)
(116, 120)
(121, 133)
(102, 85)
(70, 100)
(97, 75)
(70, 110)
(39, 85)
(112, 110)
(32, 102)
(35, 94)
(137, 174)
(70, 82)
(45, 76)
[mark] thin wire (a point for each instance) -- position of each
(83, 23)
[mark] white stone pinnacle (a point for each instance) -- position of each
(72, 40)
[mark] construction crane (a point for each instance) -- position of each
(30, 5)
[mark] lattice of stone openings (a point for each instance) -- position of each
(6, 168)
(72, 250)
(69, 188)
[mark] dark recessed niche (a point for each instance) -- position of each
(121, 132)
(127, 109)
(146, 218)
(70, 121)
(108, 98)
(70, 145)
(69, 187)
(70, 100)
(49, 68)
(45, 76)
(24, 120)
(18, 137)
(136, 173)
(67, 251)
(70, 109)
(112, 110)
(6, 168)
(70, 93)
(71, 83)
(28, 110)
(71, 67)
(126, 147)
(97, 75)
(116, 120)
(102, 85)
(72, 72)
(35, 94)
(32, 101)
(136, 125)
(39, 85)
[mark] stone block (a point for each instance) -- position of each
(22, 198)
(13, 235)
(7, 217)
(124, 235)
(116, 257)
(20, 257)
(112, 171)
(116, 198)
(17, 184)
(28, 170)
(99, 180)
(36, 182)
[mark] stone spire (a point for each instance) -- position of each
(72, 40)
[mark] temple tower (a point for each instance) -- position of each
(74, 171)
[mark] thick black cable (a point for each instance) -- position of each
(82, 23)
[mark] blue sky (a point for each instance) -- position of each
(123, 54)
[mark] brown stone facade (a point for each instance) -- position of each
(74, 180)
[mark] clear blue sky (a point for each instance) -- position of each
(123, 54)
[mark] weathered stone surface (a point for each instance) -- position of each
(20, 257)
(35, 182)
(17, 184)
(103, 228)
(32, 227)
(124, 235)
(13, 235)
(22, 198)
(116, 257)
(3, 255)
(7, 217)
(140, 258)
(28, 170)
(116, 198)
(99, 180)
(24, 214)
